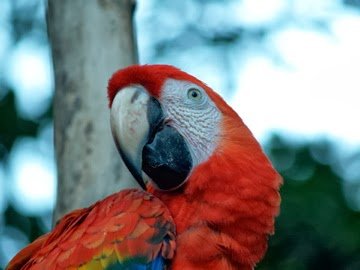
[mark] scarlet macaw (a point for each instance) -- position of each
(212, 194)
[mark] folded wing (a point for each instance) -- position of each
(131, 230)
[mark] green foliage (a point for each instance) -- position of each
(316, 229)
(12, 125)
(30, 226)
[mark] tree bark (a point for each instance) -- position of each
(90, 40)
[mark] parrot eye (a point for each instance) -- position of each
(194, 94)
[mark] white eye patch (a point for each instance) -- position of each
(196, 117)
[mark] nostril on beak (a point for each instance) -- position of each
(135, 96)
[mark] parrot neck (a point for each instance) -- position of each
(226, 211)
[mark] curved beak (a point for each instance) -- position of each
(145, 142)
(130, 126)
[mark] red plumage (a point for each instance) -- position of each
(227, 209)
(120, 227)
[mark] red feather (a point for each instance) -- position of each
(120, 227)
(226, 210)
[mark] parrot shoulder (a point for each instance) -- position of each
(131, 228)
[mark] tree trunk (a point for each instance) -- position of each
(90, 40)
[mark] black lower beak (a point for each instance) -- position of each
(167, 159)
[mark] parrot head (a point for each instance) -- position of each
(166, 122)
(176, 132)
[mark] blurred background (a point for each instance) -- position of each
(289, 67)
